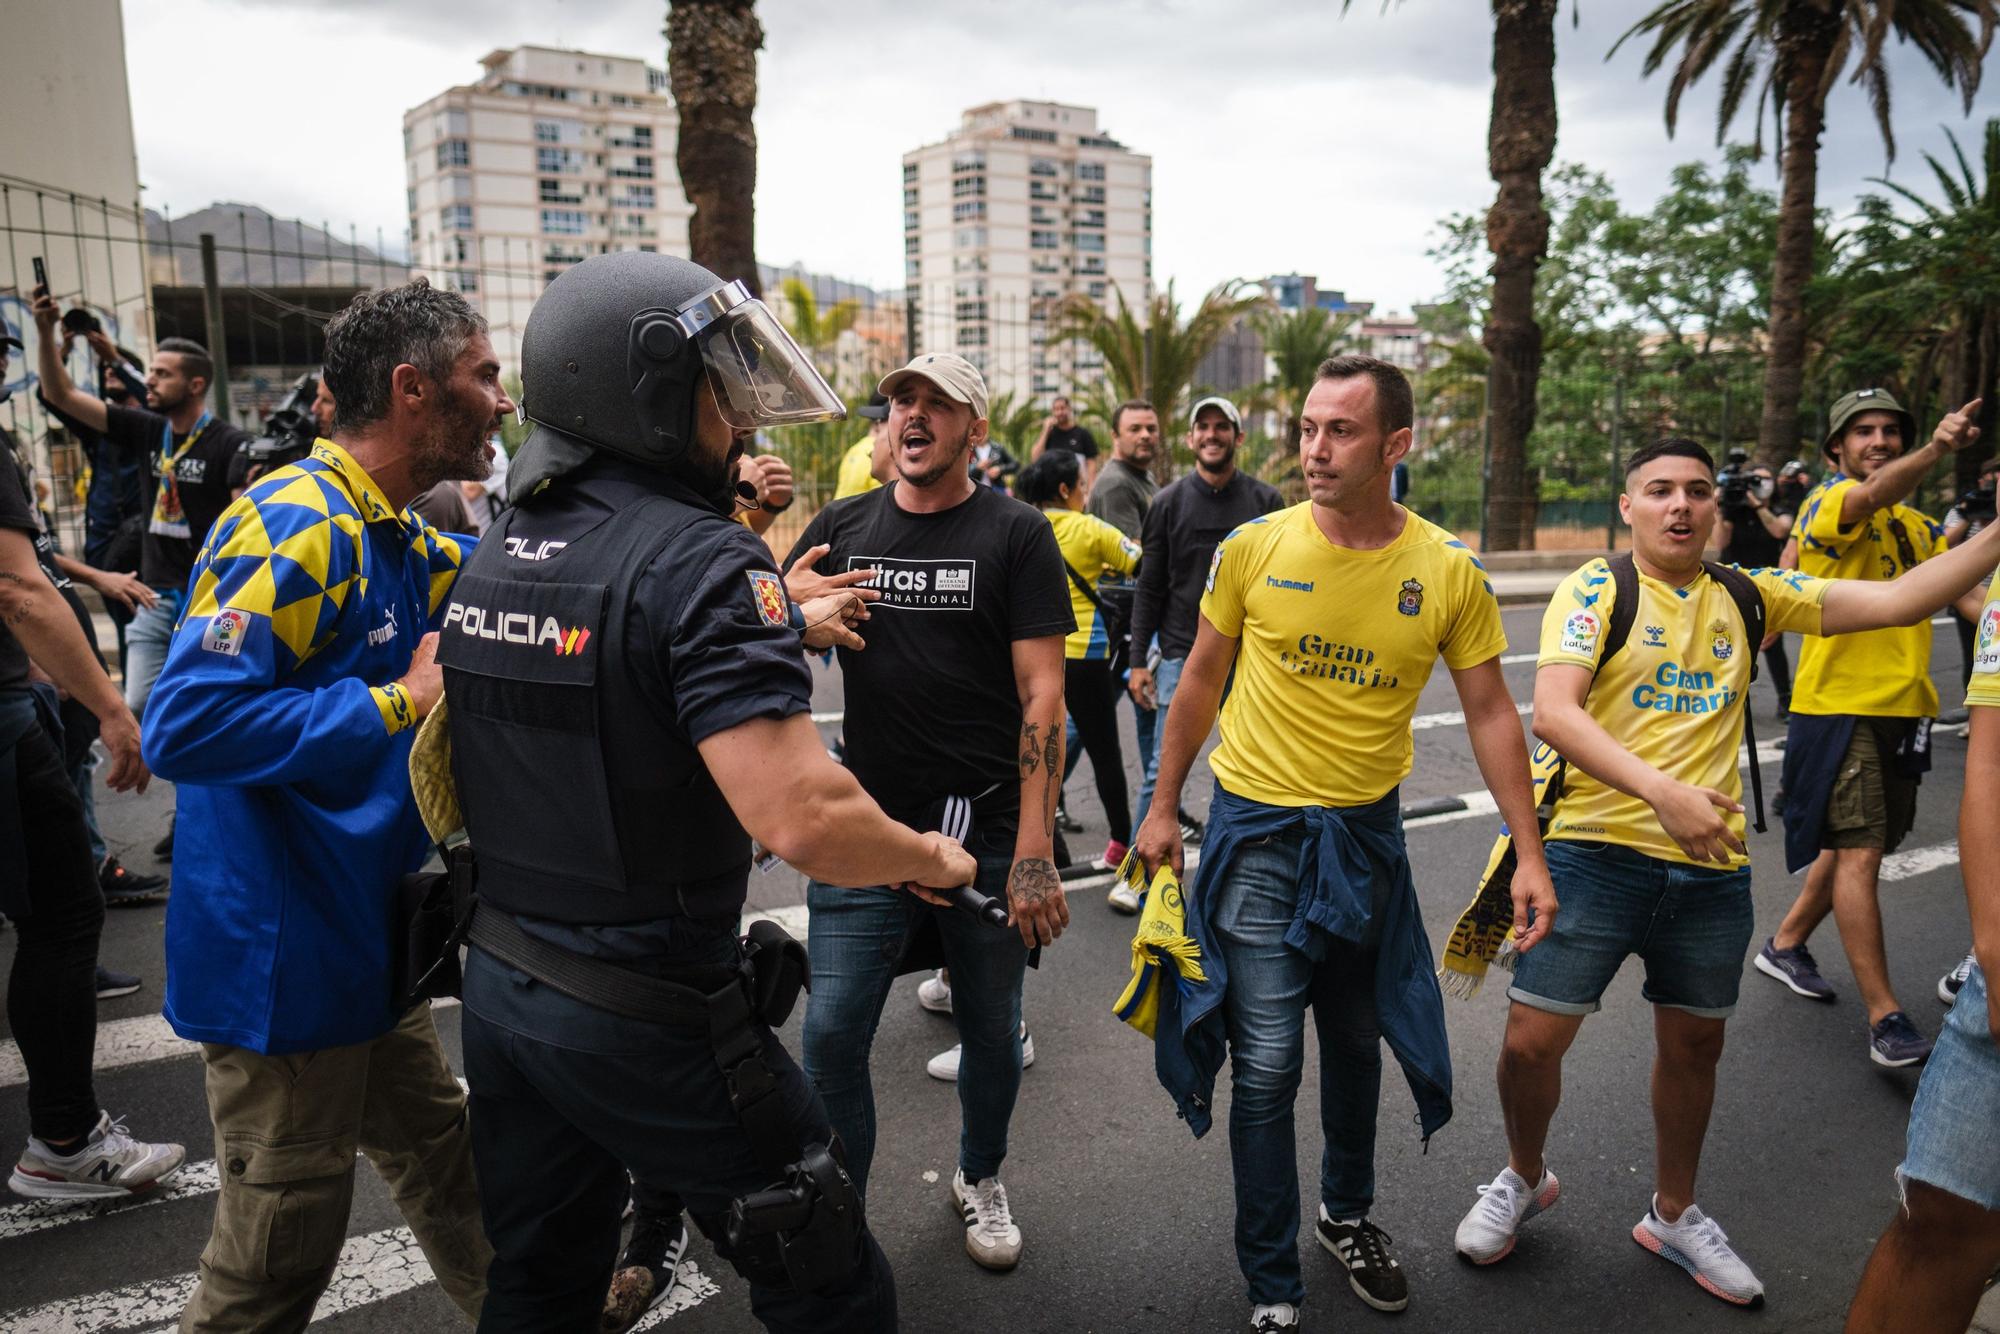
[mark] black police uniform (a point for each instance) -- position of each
(602, 629)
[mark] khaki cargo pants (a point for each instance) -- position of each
(286, 1132)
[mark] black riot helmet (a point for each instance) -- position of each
(616, 348)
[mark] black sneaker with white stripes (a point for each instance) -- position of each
(1371, 1271)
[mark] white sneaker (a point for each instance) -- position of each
(1486, 1234)
(934, 993)
(1124, 898)
(109, 1162)
(1698, 1244)
(1274, 1315)
(991, 1238)
(944, 1065)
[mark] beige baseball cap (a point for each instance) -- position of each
(958, 378)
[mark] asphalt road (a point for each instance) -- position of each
(1126, 1218)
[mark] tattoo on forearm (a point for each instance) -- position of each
(1052, 750)
(1034, 883)
(1031, 753)
(20, 595)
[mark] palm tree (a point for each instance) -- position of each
(1014, 420)
(712, 50)
(1154, 358)
(1520, 141)
(814, 329)
(1954, 251)
(1297, 342)
(1793, 51)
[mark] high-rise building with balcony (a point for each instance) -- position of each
(1026, 203)
(551, 156)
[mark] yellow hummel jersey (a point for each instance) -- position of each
(1878, 673)
(855, 477)
(1673, 696)
(1336, 645)
(1984, 692)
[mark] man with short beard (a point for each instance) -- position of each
(1861, 708)
(285, 713)
(1187, 518)
(189, 451)
(954, 713)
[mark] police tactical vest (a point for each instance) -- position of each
(584, 805)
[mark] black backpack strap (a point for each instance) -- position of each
(1749, 600)
(1083, 586)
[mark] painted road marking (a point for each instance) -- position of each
(31, 1216)
(124, 1042)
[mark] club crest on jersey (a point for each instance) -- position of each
(1719, 642)
(1410, 601)
(1580, 633)
(224, 634)
(770, 596)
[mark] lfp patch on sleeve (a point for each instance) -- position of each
(1214, 564)
(1580, 634)
(224, 634)
(769, 593)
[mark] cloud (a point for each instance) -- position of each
(1283, 137)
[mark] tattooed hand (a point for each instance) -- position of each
(1035, 897)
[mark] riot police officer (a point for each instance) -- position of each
(628, 707)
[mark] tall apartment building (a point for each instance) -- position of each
(551, 156)
(1025, 204)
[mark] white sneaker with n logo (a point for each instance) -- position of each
(108, 1163)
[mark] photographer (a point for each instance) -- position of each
(1968, 514)
(1756, 520)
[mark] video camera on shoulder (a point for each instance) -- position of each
(289, 432)
(1977, 505)
(1733, 483)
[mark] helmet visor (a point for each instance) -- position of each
(763, 377)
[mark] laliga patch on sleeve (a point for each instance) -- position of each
(1214, 564)
(769, 593)
(1986, 649)
(225, 631)
(1580, 634)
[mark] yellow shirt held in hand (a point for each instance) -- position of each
(855, 477)
(1097, 551)
(1673, 696)
(1335, 646)
(1984, 691)
(1876, 673)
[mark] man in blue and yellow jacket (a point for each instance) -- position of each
(285, 713)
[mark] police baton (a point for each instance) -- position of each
(969, 900)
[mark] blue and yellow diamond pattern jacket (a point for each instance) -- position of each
(278, 718)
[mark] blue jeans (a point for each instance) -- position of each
(1691, 925)
(1958, 1103)
(146, 642)
(1270, 986)
(566, 1098)
(1151, 723)
(856, 939)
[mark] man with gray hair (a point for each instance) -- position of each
(285, 712)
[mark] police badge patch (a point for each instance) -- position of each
(769, 593)
(1411, 601)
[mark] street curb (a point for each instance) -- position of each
(1416, 810)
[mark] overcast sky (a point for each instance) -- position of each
(1284, 137)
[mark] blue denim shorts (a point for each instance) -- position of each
(1952, 1144)
(1690, 924)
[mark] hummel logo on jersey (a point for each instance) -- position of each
(1296, 585)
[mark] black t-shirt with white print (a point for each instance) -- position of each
(932, 710)
(190, 487)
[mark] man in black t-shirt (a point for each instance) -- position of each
(48, 885)
(188, 451)
(957, 694)
(1061, 430)
(1752, 534)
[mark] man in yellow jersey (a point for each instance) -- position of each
(1862, 709)
(1646, 841)
(1331, 616)
(865, 465)
(1929, 1269)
